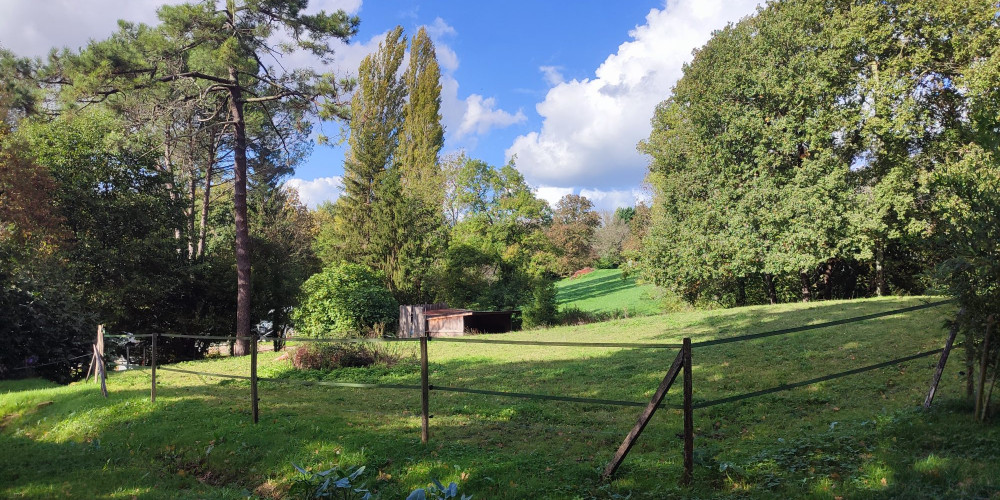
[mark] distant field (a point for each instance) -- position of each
(855, 437)
(604, 291)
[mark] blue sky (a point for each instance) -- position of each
(566, 86)
(500, 49)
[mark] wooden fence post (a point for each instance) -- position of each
(253, 378)
(936, 379)
(100, 374)
(688, 415)
(100, 340)
(645, 417)
(424, 392)
(152, 386)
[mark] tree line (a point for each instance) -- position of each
(834, 149)
(142, 186)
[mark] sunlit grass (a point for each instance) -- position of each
(838, 438)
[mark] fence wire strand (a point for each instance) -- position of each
(786, 331)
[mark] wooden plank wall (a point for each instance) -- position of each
(411, 318)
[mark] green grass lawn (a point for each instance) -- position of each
(855, 437)
(605, 291)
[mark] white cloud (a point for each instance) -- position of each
(602, 200)
(32, 27)
(439, 28)
(552, 194)
(313, 193)
(481, 115)
(615, 198)
(552, 74)
(590, 127)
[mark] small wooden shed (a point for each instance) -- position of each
(441, 321)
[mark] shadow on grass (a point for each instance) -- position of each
(595, 287)
(197, 438)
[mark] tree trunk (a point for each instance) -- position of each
(190, 211)
(828, 280)
(741, 291)
(881, 288)
(981, 402)
(192, 197)
(806, 286)
(772, 295)
(205, 200)
(242, 346)
(168, 170)
(970, 365)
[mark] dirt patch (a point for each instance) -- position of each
(7, 419)
(581, 272)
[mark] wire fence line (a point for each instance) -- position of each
(596, 401)
(683, 360)
(786, 331)
(51, 363)
(571, 399)
(630, 345)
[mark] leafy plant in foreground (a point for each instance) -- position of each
(437, 491)
(331, 483)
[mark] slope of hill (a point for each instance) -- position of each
(605, 291)
(857, 437)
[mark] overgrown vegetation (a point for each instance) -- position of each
(835, 150)
(344, 300)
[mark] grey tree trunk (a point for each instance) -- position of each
(242, 346)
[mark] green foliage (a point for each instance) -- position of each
(437, 491)
(330, 483)
(344, 299)
(496, 238)
(798, 149)
(389, 217)
(967, 202)
(574, 223)
(542, 309)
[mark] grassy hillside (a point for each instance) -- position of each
(605, 291)
(855, 437)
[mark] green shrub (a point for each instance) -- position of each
(332, 356)
(344, 299)
(542, 310)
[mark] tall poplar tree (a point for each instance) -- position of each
(390, 217)
(376, 117)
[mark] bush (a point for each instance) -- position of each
(573, 315)
(345, 299)
(542, 310)
(328, 357)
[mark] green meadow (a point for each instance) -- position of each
(861, 436)
(605, 291)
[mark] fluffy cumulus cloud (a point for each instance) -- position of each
(552, 194)
(602, 199)
(473, 115)
(313, 193)
(591, 127)
(32, 27)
